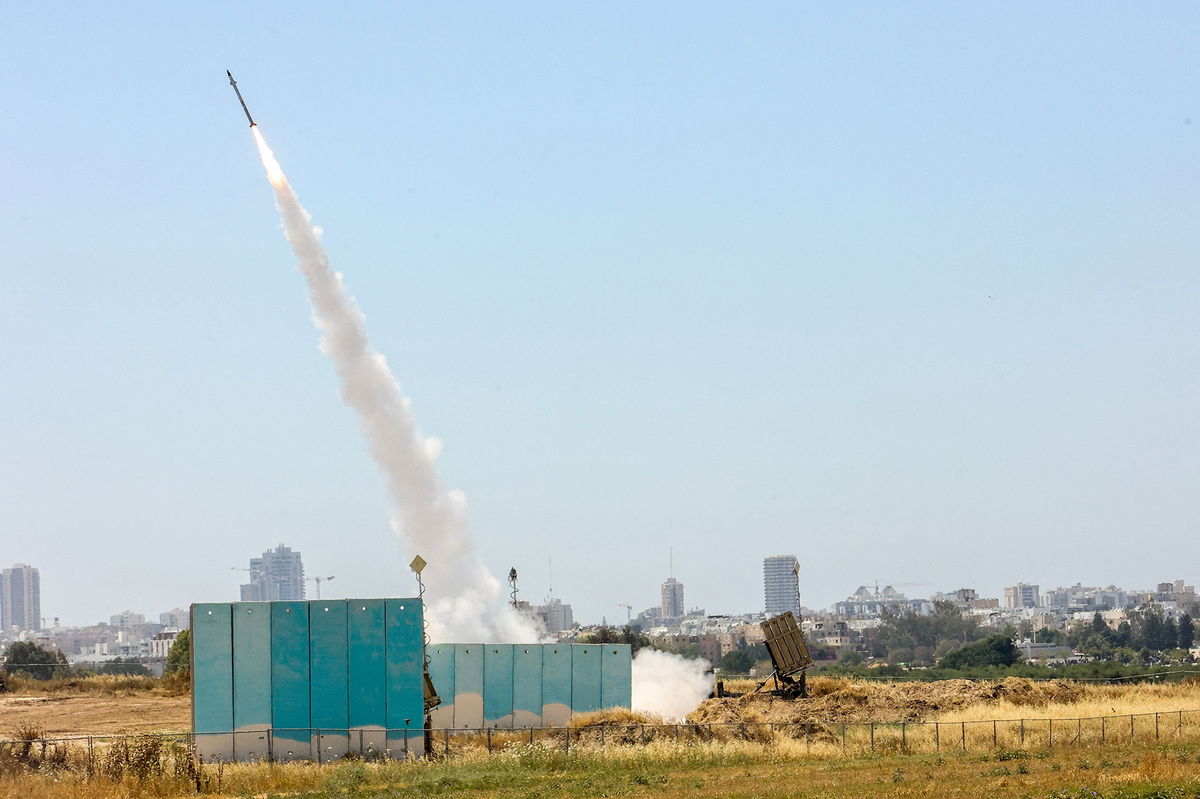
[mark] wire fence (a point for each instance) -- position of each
(854, 737)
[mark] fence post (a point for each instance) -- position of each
(843, 735)
(1156, 726)
(446, 741)
(994, 736)
(489, 739)
(903, 736)
(1050, 737)
(937, 736)
(1130, 728)
(1022, 732)
(567, 736)
(1103, 726)
(872, 736)
(964, 736)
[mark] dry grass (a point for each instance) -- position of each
(1090, 701)
(100, 684)
(849, 700)
(736, 769)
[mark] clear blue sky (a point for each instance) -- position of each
(909, 291)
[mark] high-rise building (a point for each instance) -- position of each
(20, 598)
(175, 619)
(1021, 595)
(781, 584)
(126, 620)
(555, 615)
(278, 574)
(672, 599)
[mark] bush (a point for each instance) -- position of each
(996, 650)
(26, 657)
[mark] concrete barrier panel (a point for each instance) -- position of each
(251, 680)
(498, 686)
(556, 684)
(585, 677)
(468, 686)
(616, 675)
(367, 692)
(405, 680)
(527, 685)
(290, 681)
(441, 672)
(212, 684)
(329, 684)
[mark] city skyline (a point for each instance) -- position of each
(557, 613)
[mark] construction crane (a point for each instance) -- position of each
(628, 612)
(318, 581)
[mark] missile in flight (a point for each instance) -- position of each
(237, 91)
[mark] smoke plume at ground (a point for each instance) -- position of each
(463, 597)
(669, 685)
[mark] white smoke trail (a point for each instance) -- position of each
(669, 685)
(463, 598)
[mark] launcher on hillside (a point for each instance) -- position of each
(789, 655)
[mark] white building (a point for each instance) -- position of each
(1021, 595)
(781, 584)
(20, 598)
(278, 574)
(126, 620)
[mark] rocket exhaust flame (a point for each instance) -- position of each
(274, 171)
(464, 600)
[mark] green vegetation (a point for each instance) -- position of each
(1145, 636)
(995, 650)
(179, 658)
(124, 666)
(740, 661)
(28, 659)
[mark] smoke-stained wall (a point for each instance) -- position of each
(307, 680)
(506, 686)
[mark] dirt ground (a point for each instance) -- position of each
(90, 714)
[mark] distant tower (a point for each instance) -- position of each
(278, 574)
(781, 584)
(672, 599)
(20, 598)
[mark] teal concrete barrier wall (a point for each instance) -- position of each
(367, 670)
(441, 672)
(212, 674)
(251, 679)
(556, 684)
(308, 680)
(527, 685)
(404, 640)
(504, 686)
